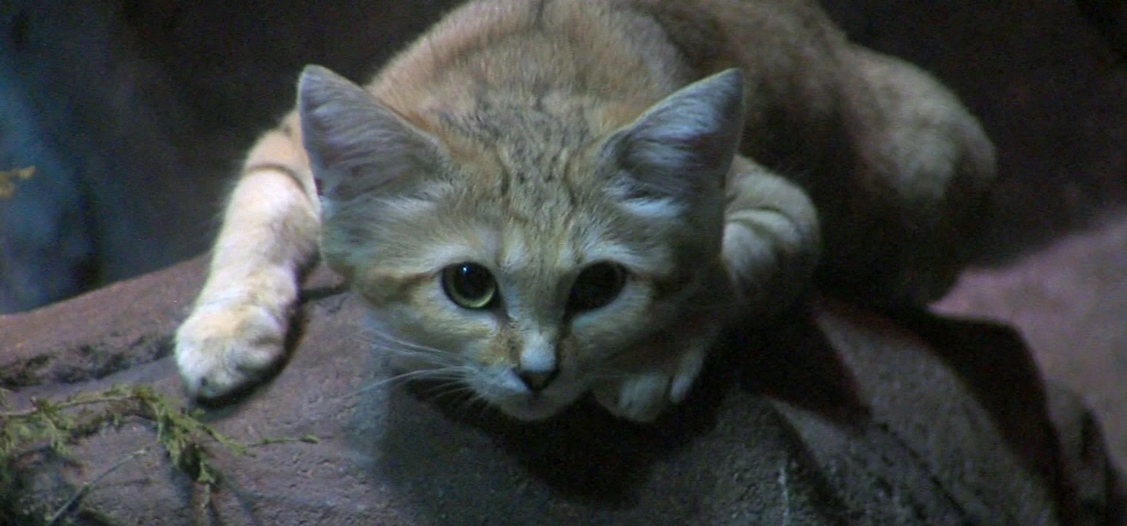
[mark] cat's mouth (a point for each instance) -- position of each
(539, 405)
(530, 407)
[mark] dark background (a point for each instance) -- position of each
(135, 113)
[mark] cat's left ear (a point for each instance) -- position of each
(682, 147)
(355, 143)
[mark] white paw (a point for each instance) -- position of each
(223, 348)
(688, 369)
(642, 397)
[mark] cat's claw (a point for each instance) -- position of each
(224, 348)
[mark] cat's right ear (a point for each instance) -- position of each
(681, 149)
(355, 143)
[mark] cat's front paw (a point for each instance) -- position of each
(642, 397)
(639, 397)
(224, 348)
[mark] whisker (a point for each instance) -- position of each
(710, 307)
(439, 388)
(610, 375)
(439, 375)
(472, 400)
(391, 346)
(376, 336)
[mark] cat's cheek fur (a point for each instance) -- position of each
(406, 336)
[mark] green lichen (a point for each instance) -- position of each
(8, 180)
(53, 426)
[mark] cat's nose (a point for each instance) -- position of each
(537, 380)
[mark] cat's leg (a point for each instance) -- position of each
(770, 248)
(772, 241)
(237, 328)
(641, 397)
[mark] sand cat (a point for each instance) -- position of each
(544, 198)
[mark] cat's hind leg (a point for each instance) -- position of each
(236, 330)
(912, 209)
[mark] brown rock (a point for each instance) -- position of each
(1069, 302)
(838, 416)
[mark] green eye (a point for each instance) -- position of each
(469, 285)
(596, 286)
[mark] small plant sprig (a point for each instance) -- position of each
(55, 425)
(8, 180)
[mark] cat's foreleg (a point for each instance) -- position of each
(772, 241)
(771, 245)
(643, 396)
(770, 248)
(237, 328)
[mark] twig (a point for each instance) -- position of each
(54, 518)
(308, 439)
(66, 405)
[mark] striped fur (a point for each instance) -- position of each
(695, 143)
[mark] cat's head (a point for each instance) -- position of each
(525, 253)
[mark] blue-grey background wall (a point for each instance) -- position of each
(135, 113)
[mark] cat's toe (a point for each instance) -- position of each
(223, 350)
(688, 369)
(640, 398)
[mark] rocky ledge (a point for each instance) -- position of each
(837, 416)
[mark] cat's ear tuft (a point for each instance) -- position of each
(682, 147)
(355, 143)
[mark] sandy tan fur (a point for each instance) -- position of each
(503, 119)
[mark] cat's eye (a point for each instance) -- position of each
(469, 285)
(596, 286)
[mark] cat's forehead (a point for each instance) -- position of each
(535, 164)
(528, 178)
(527, 220)
(548, 251)
(545, 119)
(553, 228)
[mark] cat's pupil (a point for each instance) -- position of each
(596, 286)
(469, 285)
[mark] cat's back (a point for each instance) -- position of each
(617, 50)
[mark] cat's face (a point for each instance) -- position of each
(525, 313)
(521, 255)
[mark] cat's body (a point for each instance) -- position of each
(541, 198)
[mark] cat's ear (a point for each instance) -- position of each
(682, 147)
(355, 143)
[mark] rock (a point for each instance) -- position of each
(1068, 301)
(837, 416)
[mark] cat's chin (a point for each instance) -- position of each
(530, 409)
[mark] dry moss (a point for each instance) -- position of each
(8, 180)
(52, 426)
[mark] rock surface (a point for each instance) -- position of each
(838, 416)
(1069, 302)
